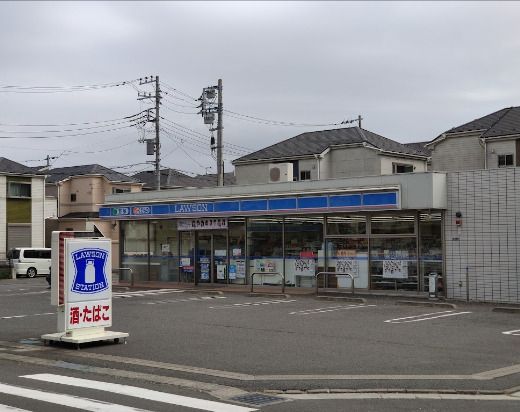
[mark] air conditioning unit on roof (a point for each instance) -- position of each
(280, 172)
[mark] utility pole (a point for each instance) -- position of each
(157, 148)
(220, 162)
(208, 110)
(359, 118)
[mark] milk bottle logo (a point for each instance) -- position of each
(90, 275)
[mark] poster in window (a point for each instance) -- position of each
(347, 265)
(221, 271)
(241, 269)
(304, 267)
(232, 272)
(395, 264)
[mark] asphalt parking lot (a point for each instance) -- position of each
(296, 343)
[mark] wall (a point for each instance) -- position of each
(488, 241)
(252, 173)
(38, 212)
(388, 161)
(495, 148)
(3, 217)
(464, 152)
(353, 161)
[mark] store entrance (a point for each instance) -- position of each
(211, 261)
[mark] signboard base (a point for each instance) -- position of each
(79, 338)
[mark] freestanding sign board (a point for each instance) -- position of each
(82, 288)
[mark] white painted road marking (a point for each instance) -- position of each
(426, 316)
(202, 298)
(328, 309)
(142, 393)
(66, 400)
(25, 316)
(512, 332)
(249, 304)
(145, 293)
(7, 408)
(404, 396)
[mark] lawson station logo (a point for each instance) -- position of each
(90, 276)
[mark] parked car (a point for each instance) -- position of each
(30, 261)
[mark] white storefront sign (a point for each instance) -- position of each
(202, 224)
(82, 288)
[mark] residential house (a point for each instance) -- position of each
(330, 154)
(489, 142)
(22, 207)
(79, 190)
(174, 179)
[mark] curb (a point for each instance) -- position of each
(387, 390)
(342, 298)
(203, 292)
(427, 304)
(269, 295)
(507, 309)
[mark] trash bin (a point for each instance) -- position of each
(432, 284)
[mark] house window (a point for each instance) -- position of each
(505, 160)
(17, 189)
(73, 197)
(401, 168)
(305, 175)
(120, 190)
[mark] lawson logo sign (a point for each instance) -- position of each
(90, 275)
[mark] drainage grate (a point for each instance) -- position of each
(257, 399)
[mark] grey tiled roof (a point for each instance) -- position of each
(62, 173)
(420, 147)
(311, 143)
(8, 166)
(211, 179)
(500, 123)
(171, 178)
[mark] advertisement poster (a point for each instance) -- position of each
(395, 264)
(241, 268)
(237, 252)
(221, 271)
(304, 267)
(185, 262)
(350, 266)
(262, 265)
(232, 272)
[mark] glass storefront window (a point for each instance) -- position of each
(265, 249)
(237, 251)
(186, 257)
(347, 256)
(135, 249)
(303, 249)
(164, 245)
(430, 241)
(392, 224)
(346, 225)
(393, 263)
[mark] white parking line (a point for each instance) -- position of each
(25, 316)
(249, 304)
(512, 332)
(66, 400)
(328, 309)
(142, 393)
(7, 408)
(425, 316)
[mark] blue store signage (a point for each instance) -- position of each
(275, 205)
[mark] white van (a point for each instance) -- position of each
(30, 261)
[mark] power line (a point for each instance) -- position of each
(67, 135)
(70, 130)
(72, 124)
(196, 133)
(61, 89)
(277, 122)
(168, 86)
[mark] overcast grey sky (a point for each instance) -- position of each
(411, 69)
